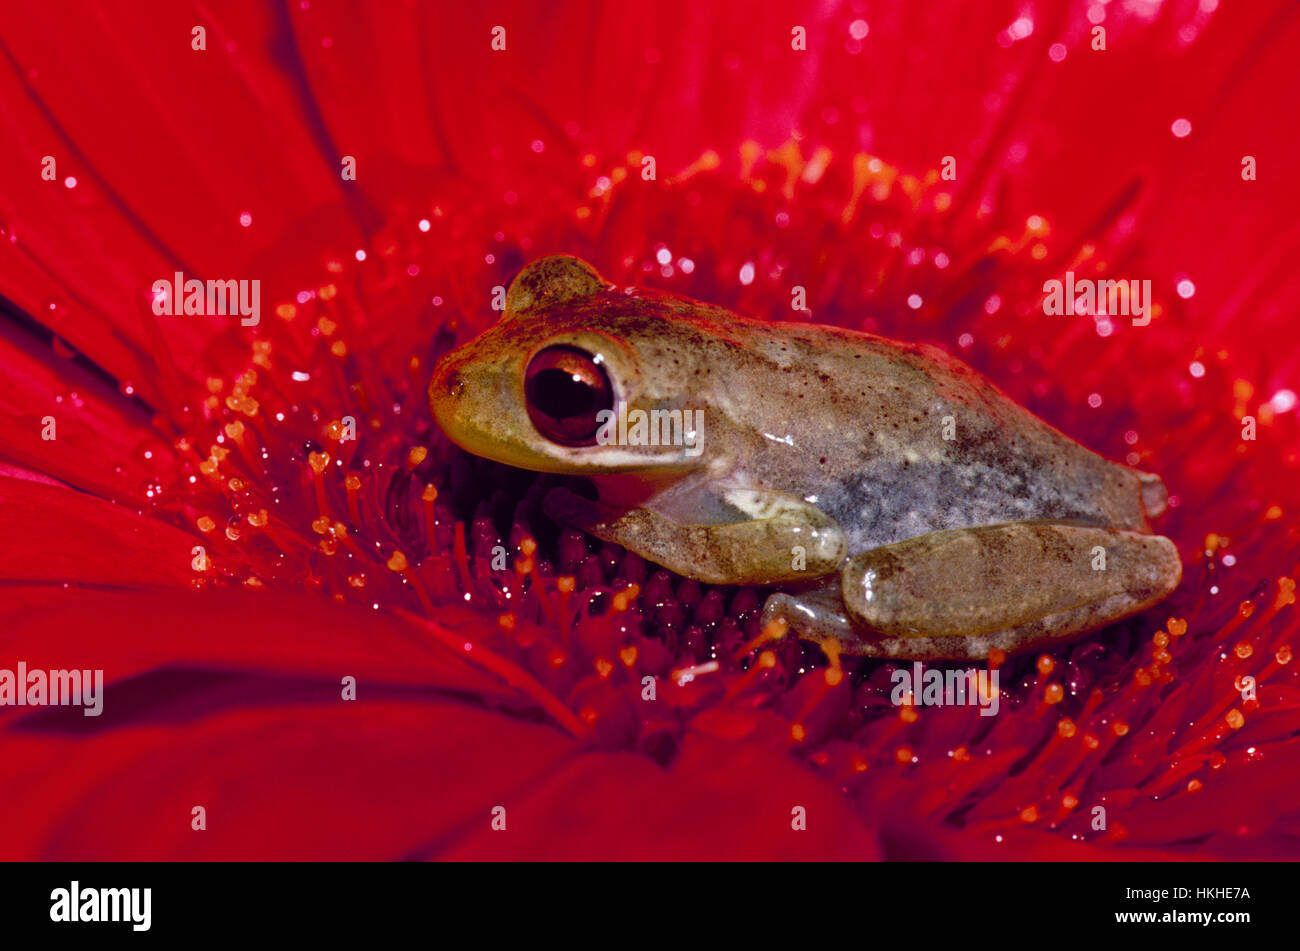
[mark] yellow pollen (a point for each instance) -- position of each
(398, 562)
(604, 667)
(321, 525)
(1045, 664)
(214, 384)
(1243, 650)
(1283, 654)
(357, 581)
(1193, 785)
(318, 461)
(767, 659)
(328, 292)
(235, 430)
(1054, 694)
(430, 493)
(904, 755)
(285, 311)
(566, 583)
(528, 546)
(235, 484)
(628, 655)
(339, 349)
(1069, 802)
(416, 456)
(257, 519)
(326, 326)
(1119, 727)
(353, 482)
(206, 524)
(506, 622)
(1029, 814)
(1235, 719)
(797, 732)
(329, 546)
(1065, 728)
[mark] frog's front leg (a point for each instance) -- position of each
(962, 593)
(716, 535)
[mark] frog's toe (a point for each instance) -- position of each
(812, 615)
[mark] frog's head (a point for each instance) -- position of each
(543, 389)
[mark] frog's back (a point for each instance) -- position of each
(897, 440)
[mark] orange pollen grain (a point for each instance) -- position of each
(1029, 814)
(904, 755)
(1243, 650)
(398, 562)
(628, 655)
(1065, 728)
(430, 493)
(767, 659)
(206, 524)
(416, 456)
(604, 667)
(1054, 693)
(318, 461)
(1284, 654)
(797, 732)
(1235, 719)
(1045, 664)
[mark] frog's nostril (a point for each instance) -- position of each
(453, 384)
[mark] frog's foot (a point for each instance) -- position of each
(738, 536)
(819, 615)
(1021, 585)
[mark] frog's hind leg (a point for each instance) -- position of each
(819, 615)
(961, 593)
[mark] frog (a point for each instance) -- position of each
(894, 501)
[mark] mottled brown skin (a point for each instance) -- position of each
(868, 454)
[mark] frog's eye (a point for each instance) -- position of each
(566, 388)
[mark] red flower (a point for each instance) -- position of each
(183, 506)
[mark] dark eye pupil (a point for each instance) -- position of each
(566, 389)
(560, 394)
